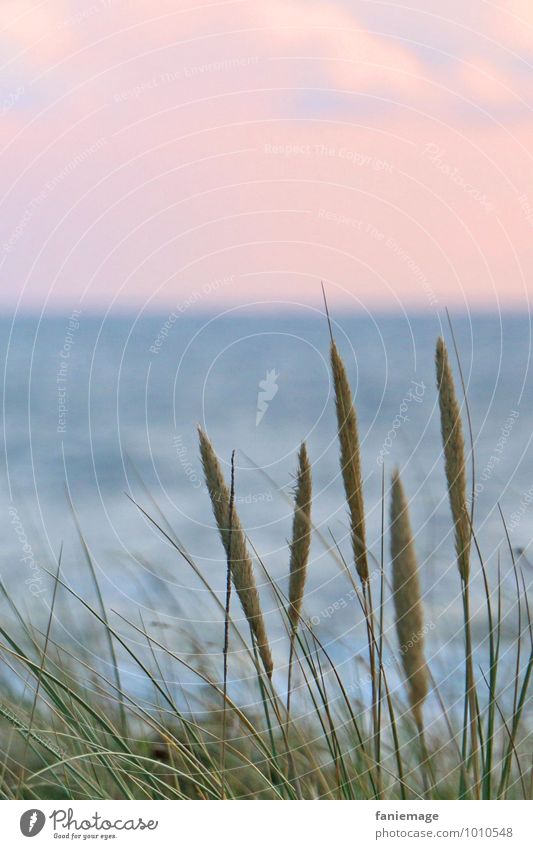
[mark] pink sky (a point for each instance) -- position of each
(168, 152)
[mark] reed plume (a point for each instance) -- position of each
(301, 538)
(454, 453)
(299, 548)
(350, 458)
(234, 542)
(407, 601)
(455, 465)
(350, 461)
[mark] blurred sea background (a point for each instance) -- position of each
(96, 408)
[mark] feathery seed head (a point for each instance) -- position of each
(454, 454)
(407, 600)
(350, 459)
(301, 538)
(234, 543)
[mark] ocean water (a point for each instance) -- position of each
(96, 409)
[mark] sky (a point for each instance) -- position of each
(174, 155)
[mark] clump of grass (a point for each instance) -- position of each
(234, 542)
(407, 601)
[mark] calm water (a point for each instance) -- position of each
(103, 407)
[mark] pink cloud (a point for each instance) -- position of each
(153, 151)
(511, 24)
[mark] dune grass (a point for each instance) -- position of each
(70, 728)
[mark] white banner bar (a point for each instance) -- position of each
(254, 825)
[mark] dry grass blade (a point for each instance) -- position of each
(454, 452)
(350, 460)
(407, 601)
(301, 538)
(240, 560)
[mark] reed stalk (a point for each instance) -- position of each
(227, 610)
(455, 468)
(350, 459)
(299, 552)
(408, 602)
(301, 539)
(455, 461)
(234, 542)
(351, 469)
